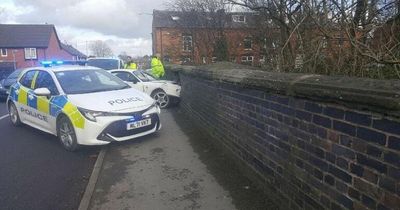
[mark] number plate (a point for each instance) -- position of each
(138, 124)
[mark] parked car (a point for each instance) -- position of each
(164, 92)
(6, 83)
(81, 105)
(106, 63)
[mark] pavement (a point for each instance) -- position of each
(175, 168)
(36, 172)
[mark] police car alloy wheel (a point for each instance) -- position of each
(161, 98)
(14, 115)
(66, 134)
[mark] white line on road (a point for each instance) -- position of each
(3, 117)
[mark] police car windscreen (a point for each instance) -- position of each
(89, 81)
(106, 64)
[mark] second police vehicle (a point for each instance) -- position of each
(81, 105)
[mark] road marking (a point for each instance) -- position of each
(3, 117)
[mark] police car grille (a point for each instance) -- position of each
(118, 128)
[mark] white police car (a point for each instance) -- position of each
(81, 105)
(164, 92)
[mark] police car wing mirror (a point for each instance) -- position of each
(42, 92)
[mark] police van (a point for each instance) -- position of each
(81, 105)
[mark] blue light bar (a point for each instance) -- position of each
(46, 62)
(50, 63)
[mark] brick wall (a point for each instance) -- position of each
(168, 42)
(327, 149)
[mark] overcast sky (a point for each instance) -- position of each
(124, 24)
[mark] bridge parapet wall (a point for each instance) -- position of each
(312, 142)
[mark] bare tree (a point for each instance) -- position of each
(100, 49)
(350, 37)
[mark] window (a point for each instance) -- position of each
(247, 59)
(239, 18)
(26, 79)
(30, 53)
(3, 52)
(186, 59)
(262, 59)
(104, 63)
(143, 76)
(247, 44)
(167, 59)
(187, 43)
(214, 59)
(126, 76)
(264, 44)
(274, 44)
(324, 43)
(89, 81)
(44, 80)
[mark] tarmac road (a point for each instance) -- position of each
(36, 172)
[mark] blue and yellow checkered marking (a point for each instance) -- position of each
(57, 104)
(61, 104)
(31, 100)
(54, 106)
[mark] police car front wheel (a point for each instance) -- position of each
(14, 115)
(66, 134)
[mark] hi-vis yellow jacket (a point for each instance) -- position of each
(157, 68)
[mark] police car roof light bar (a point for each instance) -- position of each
(50, 63)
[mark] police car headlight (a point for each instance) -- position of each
(91, 115)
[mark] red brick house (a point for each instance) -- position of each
(73, 53)
(190, 37)
(27, 45)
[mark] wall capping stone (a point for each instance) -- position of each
(381, 96)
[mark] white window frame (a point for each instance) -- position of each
(204, 60)
(251, 43)
(30, 53)
(190, 43)
(324, 43)
(237, 18)
(246, 59)
(263, 58)
(186, 59)
(3, 50)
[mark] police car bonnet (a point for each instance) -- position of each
(118, 100)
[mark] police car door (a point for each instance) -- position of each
(25, 99)
(45, 80)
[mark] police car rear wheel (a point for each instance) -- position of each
(66, 134)
(162, 99)
(14, 115)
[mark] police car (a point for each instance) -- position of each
(164, 92)
(81, 105)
